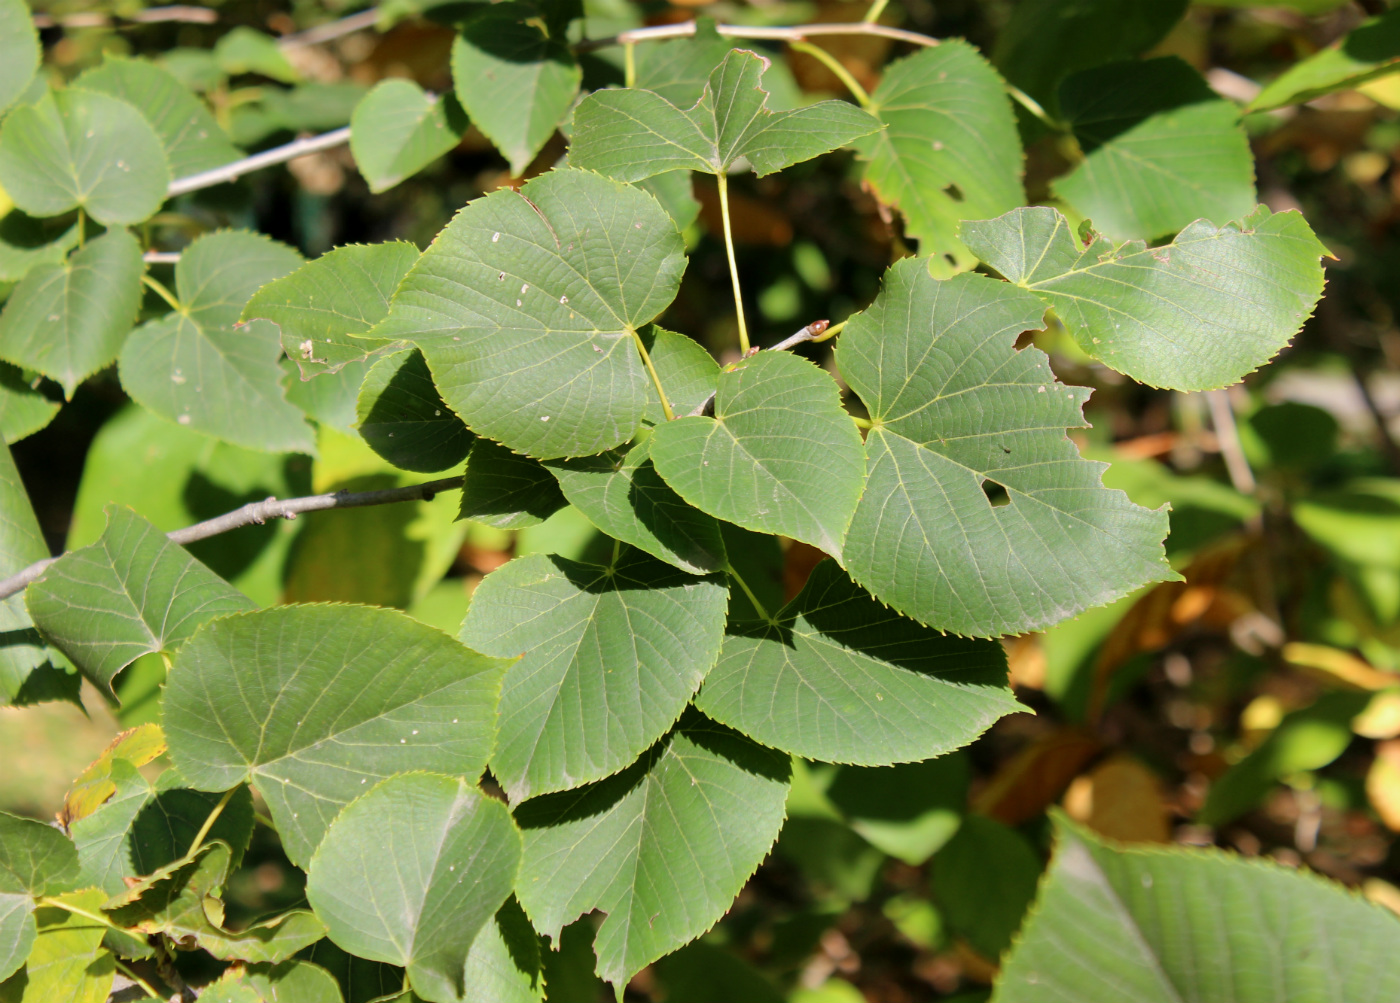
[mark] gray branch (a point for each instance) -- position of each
(261, 512)
(796, 33)
(277, 155)
(813, 330)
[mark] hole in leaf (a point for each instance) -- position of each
(1025, 338)
(954, 192)
(996, 494)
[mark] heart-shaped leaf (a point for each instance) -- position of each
(662, 848)
(131, 593)
(507, 490)
(68, 320)
(958, 413)
(837, 677)
(528, 306)
(441, 859)
(949, 150)
(19, 50)
(1195, 314)
(515, 80)
(1161, 149)
(612, 655)
(77, 149)
(192, 140)
(398, 129)
(634, 134)
(312, 704)
(35, 860)
(780, 455)
(403, 418)
(201, 367)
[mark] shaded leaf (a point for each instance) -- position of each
(908, 811)
(633, 134)
(26, 242)
(325, 306)
(67, 962)
(949, 150)
(507, 490)
(200, 366)
(957, 408)
(131, 593)
(983, 881)
(449, 855)
(505, 965)
(1369, 51)
(1161, 149)
(403, 418)
(678, 69)
(1195, 314)
(527, 305)
(19, 50)
(1194, 924)
(311, 703)
(244, 50)
(22, 650)
(838, 677)
(24, 410)
(611, 656)
(69, 320)
(35, 860)
(662, 847)
(83, 149)
(514, 79)
(398, 129)
(780, 455)
(192, 140)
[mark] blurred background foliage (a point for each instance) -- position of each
(1255, 706)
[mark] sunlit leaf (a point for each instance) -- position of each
(838, 677)
(35, 860)
(244, 50)
(1198, 313)
(1367, 52)
(507, 490)
(83, 149)
(398, 129)
(441, 858)
(312, 704)
(289, 982)
(662, 848)
(69, 320)
(91, 788)
(67, 961)
(19, 50)
(403, 418)
(957, 410)
(505, 963)
(200, 366)
(612, 655)
(527, 304)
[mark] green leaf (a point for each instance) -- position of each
(780, 455)
(192, 140)
(312, 107)
(67, 961)
(680, 68)
(983, 881)
(403, 418)
(514, 80)
(200, 366)
(398, 129)
(244, 50)
(69, 320)
(949, 150)
(131, 593)
(957, 410)
(908, 811)
(289, 982)
(527, 306)
(1195, 314)
(634, 134)
(326, 306)
(35, 860)
(662, 848)
(24, 410)
(1194, 924)
(22, 651)
(312, 704)
(507, 490)
(26, 242)
(1161, 149)
(77, 149)
(612, 655)
(441, 858)
(19, 50)
(837, 677)
(1047, 40)
(505, 965)
(1369, 51)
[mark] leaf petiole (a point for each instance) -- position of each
(161, 291)
(131, 974)
(762, 610)
(835, 66)
(876, 9)
(209, 822)
(655, 377)
(723, 181)
(629, 52)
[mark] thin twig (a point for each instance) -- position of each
(331, 31)
(161, 257)
(261, 512)
(152, 15)
(277, 155)
(812, 332)
(1222, 416)
(779, 34)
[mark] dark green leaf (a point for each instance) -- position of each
(1198, 313)
(957, 409)
(441, 858)
(69, 320)
(22, 650)
(312, 704)
(612, 655)
(403, 418)
(984, 880)
(507, 490)
(662, 848)
(527, 307)
(398, 129)
(909, 811)
(23, 409)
